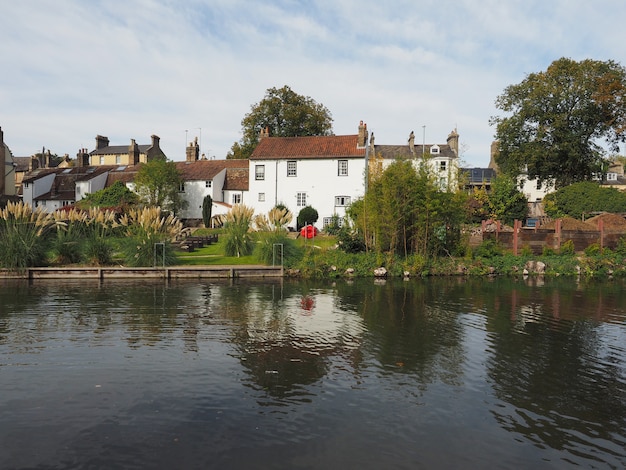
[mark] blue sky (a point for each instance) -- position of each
(73, 69)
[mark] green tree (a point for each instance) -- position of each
(207, 209)
(284, 113)
(506, 202)
(583, 198)
(559, 119)
(307, 216)
(158, 183)
(405, 212)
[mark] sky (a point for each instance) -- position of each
(127, 69)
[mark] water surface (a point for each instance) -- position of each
(437, 373)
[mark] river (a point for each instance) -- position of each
(364, 374)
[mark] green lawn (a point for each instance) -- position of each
(212, 254)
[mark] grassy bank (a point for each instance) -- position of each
(320, 258)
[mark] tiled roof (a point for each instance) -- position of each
(22, 163)
(404, 151)
(207, 169)
(123, 173)
(118, 150)
(236, 179)
(36, 174)
(330, 146)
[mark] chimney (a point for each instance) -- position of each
(492, 156)
(412, 142)
(453, 142)
(101, 142)
(265, 132)
(155, 141)
(192, 151)
(133, 153)
(362, 138)
(82, 158)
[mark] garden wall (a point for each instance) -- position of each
(553, 237)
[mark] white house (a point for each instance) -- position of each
(325, 172)
(441, 159)
(54, 188)
(226, 181)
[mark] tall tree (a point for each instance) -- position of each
(505, 201)
(405, 212)
(159, 183)
(559, 120)
(284, 113)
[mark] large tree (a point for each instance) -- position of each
(562, 122)
(159, 183)
(284, 113)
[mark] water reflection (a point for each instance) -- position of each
(401, 373)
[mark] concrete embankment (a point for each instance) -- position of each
(169, 272)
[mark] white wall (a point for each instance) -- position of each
(36, 188)
(318, 179)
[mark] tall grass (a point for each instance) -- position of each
(148, 237)
(24, 236)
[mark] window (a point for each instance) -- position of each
(342, 167)
(538, 184)
(342, 201)
(261, 197)
(292, 168)
(102, 160)
(332, 221)
(442, 165)
(434, 150)
(236, 198)
(181, 187)
(118, 159)
(259, 172)
(611, 176)
(301, 199)
(208, 183)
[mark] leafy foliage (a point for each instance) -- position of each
(285, 114)
(584, 198)
(116, 195)
(405, 212)
(506, 203)
(558, 119)
(158, 184)
(307, 216)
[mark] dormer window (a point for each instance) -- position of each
(434, 150)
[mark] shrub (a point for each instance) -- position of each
(487, 249)
(567, 248)
(307, 215)
(593, 250)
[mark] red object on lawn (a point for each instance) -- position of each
(308, 231)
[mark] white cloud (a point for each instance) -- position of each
(129, 69)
